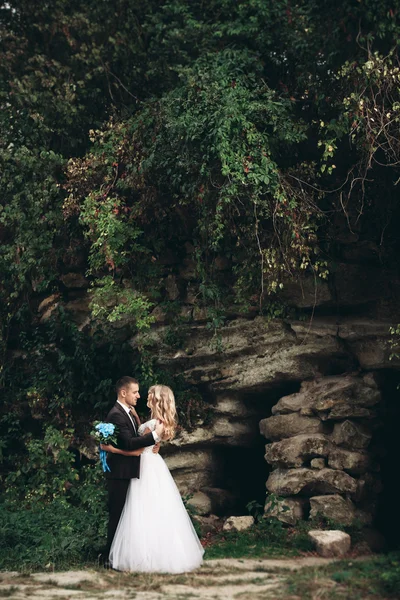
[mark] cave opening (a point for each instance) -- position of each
(244, 469)
(245, 473)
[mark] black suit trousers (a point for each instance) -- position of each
(117, 490)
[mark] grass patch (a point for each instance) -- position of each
(7, 592)
(373, 579)
(239, 548)
(268, 538)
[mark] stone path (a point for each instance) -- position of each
(225, 579)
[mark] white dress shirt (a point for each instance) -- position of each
(128, 412)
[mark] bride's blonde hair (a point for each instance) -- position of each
(161, 401)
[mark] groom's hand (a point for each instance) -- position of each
(114, 450)
(107, 447)
(156, 448)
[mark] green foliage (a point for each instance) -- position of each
(60, 367)
(45, 473)
(226, 140)
(56, 535)
(61, 381)
(390, 575)
(174, 336)
(90, 492)
(111, 302)
(31, 229)
(211, 145)
(255, 509)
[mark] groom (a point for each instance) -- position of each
(125, 468)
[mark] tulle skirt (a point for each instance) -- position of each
(155, 533)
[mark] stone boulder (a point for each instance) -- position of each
(330, 543)
(306, 292)
(222, 501)
(74, 281)
(351, 435)
(354, 463)
(336, 397)
(348, 410)
(208, 524)
(193, 470)
(48, 306)
(172, 288)
(335, 388)
(295, 451)
(214, 501)
(201, 503)
(308, 482)
(79, 310)
(238, 523)
(224, 431)
(286, 510)
(318, 326)
(333, 507)
(287, 426)
(366, 340)
(234, 407)
(369, 341)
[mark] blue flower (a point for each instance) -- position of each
(105, 429)
(105, 433)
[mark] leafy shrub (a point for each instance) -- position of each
(56, 535)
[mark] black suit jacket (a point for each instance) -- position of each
(125, 467)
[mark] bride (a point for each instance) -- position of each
(155, 533)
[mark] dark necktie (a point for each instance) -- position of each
(132, 418)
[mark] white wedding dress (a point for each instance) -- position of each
(155, 533)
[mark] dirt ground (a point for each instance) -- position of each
(224, 579)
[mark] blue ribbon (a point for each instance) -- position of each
(103, 458)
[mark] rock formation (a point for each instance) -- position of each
(341, 413)
(307, 386)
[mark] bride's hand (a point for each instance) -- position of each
(113, 450)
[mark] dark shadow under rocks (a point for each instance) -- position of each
(244, 469)
(388, 445)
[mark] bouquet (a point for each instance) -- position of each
(105, 433)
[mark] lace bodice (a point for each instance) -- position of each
(148, 425)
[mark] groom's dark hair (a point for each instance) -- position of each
(124, 382)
